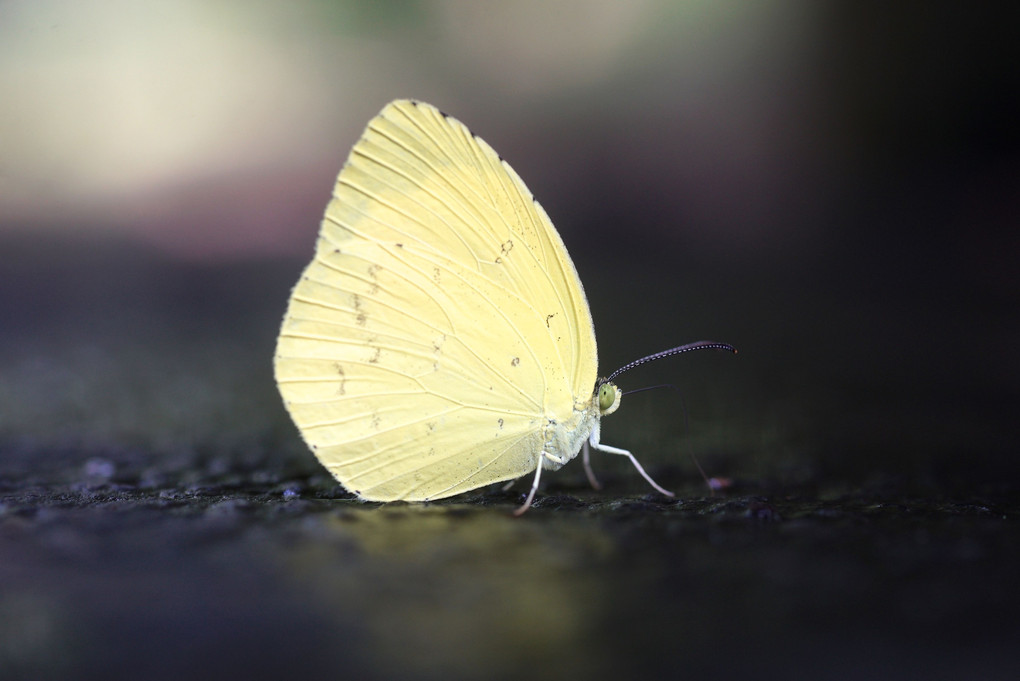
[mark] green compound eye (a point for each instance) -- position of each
(607, 396)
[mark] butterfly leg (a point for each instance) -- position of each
(586, 459)
(594, 440)
(559, 461)
(531, 495)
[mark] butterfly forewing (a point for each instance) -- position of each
(440, 323)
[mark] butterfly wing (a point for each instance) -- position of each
(441, 324)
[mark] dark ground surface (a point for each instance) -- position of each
(160, 518)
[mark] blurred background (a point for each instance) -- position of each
(832, 187)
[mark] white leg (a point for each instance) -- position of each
(534, 488)
(594, 440)
(586, 459)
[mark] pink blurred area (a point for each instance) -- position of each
(248, 213)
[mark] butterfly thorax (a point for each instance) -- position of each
(564, 438)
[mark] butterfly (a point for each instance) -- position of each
(440, 340)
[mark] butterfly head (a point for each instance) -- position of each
(607, 397)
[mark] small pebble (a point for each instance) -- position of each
(98, 469)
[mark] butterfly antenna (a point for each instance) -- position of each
(698, 345)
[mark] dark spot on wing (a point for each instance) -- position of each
(343, 378)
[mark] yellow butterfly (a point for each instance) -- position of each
(440, 340)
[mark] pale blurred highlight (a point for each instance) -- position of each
(215, 129)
